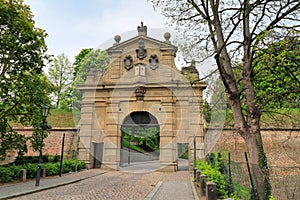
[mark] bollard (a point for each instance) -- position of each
(43, 173)
(202, 184)
(211, 191)
(23, 174)
(198, 173)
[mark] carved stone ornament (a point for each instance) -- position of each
(142, 30)
(140, 93)
(128, 62)
(153, 61)
(141, 52)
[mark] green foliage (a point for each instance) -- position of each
(11, 172)
(87, 59)
(61, 118)
(134, 147)
(277, 74)
(21, 160)
(31, 169)
(241, 192)
(52, 168)
(61, 76)
(213, 174)
(6, 174)
(24, 88)
(146, 137)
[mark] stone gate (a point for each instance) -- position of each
(141, 77)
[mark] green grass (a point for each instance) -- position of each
(133, 147)
(241, 191)
(61, 118)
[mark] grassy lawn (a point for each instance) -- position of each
(61, 118)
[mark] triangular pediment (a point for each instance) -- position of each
(149, 42)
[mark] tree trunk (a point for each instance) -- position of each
(258, 163)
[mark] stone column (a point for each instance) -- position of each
(86, 123)
(111, 152)
(168, 159)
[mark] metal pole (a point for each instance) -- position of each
(195, 167)
(62, 155)
(254, 194)
(77, 149)
(129, 150)
(39, 171)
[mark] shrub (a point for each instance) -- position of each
(31, 169)
(21, 160)
(6, 174)
(54, 158)
(52, 168)
(70, 165)
(215, 176)
(11, 171)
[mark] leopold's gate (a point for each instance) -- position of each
(142, 78)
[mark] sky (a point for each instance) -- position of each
(73, 25)
(76, 24)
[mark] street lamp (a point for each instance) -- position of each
(44, 127)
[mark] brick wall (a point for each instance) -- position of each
(53, 143)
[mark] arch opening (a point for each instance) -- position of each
(140, 139)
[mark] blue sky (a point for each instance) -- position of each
(76, 24)
(73, 25)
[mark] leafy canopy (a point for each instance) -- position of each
(24, 88)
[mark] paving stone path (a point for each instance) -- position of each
(106, 185)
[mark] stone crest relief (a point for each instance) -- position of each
(128, 62)
(153, 61)
(141, 52)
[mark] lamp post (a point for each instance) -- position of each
(44, 127)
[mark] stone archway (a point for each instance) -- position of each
(139, 139)
(142, 78)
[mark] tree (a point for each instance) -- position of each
(24, 88)
(277, 79)
(85, 60)
(61, 75)
(232, 32)
(78, 61)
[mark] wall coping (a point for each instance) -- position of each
(25, 128)
(262, 129)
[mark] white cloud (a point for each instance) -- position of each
(74, 25)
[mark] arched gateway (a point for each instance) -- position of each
(141, 88)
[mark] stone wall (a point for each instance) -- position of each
(282, 147)
(53, 143)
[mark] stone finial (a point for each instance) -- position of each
(142, 30)
(117, 39)
(167, 37)
(193, 63)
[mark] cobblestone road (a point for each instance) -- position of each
(108, 186)
(121, 186)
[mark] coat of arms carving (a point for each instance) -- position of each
(141, 52)
(128, 62)
(153, 61)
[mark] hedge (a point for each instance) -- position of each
(11, 172)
